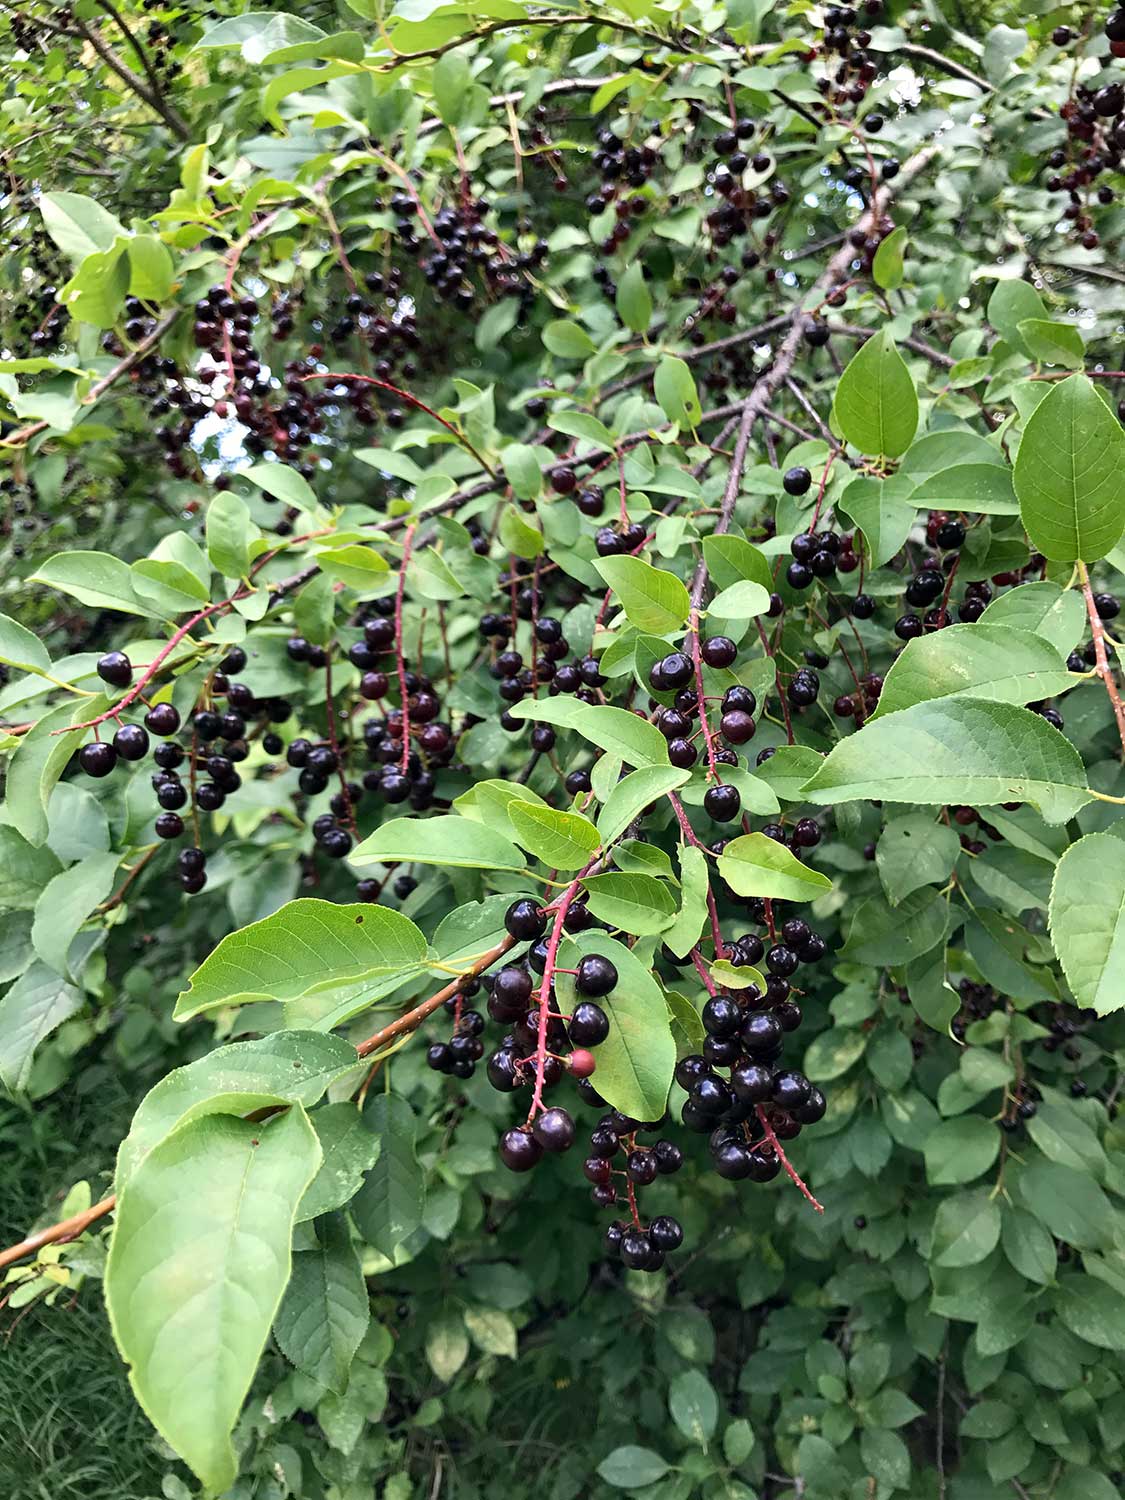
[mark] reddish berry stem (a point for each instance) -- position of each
(783, 1159)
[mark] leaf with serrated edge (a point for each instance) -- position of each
(962, 750)
(325, 1311)
(197, 1268)
(754, 865)
(291, 1066)
(999, 662)
(306, 946)
(1087, 919)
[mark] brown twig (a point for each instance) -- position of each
(99, 387)
(66, 1229)
(1097, 630)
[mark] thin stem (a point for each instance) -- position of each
(385, 385)
(1097, 630)
(400, 664)
(763, 1120)
(65, 1229)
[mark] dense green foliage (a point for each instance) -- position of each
(560, 574)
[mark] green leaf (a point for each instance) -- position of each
(563, 840)
(636, 1060)
(730, 559)
(492, 1330)
(674, 388)
(754, 865)
(1069, 1203)
(151, 271)
(20, 649)
(324, 1313)
(522, 470)
(79, 226)
(230, 532)
(653, 599)
(348, 1151)
(354, 564)
(16, 952)
(614, 730)
(985, 488)
(197, 1267)
(887, 265)
(1088, 932)
(883, 934)
(633, 793)
(309, 947)
(1068, 474)
(999, 662)
(448, 840)
(961, 750)
(833, 1052)
(388, 1207)
(568, 340)
(876, 408)
(1053, 343)
(886, 1457)
(292, 1067)
(37, 763)
(694, 1406)
(452, 79)
(1058, 615)
(96, 291)
(1093, 1311)
(1028, 1246)
(283, 483)
(581, 424)
(37, 1004)
(960, 1149)
(636, 904)
(518, 535)
(684, 932)
(966, 1228)
(631, 1468)
(634, 300)
(95, 578)
(65, 904)
(883, 512)
(1012, 303)
(914, 851)
(24, 870)
(447, 1345)
(742, 601)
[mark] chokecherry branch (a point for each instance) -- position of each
(763, 1120)
(1097, 630)
(419, 405)
(400, 664)
(135, 355)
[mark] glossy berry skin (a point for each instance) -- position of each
(524, 921)
(721, 1016)
(791, 1090)
(596, 976)
(812, 1110)
(719, 651)
(752, 1082)
(761, 1032)
(672, 671)
(98, 758)
(162, 719)
(554, 1130)
(796, 481)
(169, 825)
(1108, 606)
(722, 803)
(131, 742)
(589, 1024)
(519, 1150)
(116, 669)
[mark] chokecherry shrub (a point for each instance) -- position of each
(563, 737)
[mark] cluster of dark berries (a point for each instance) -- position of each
(458, 1057)
(846, 38)
(818, 554)
(1095, 143)
(466, 241)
